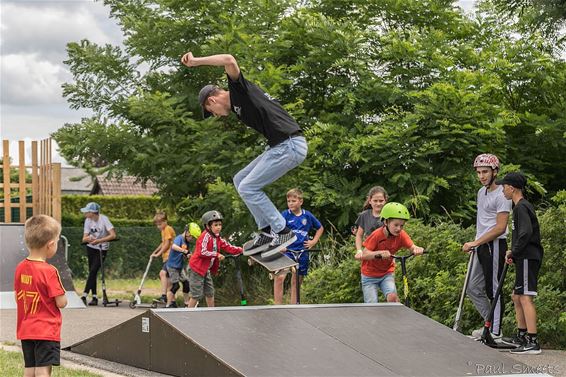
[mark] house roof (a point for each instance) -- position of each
(127, 185)
(76, 180)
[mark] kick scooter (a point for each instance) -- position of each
(136, 302)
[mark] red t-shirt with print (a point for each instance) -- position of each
(36, 284)
(377, 268)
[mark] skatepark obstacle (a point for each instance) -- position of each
(305, 340)
(13, 251)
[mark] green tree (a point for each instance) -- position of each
(402, 94)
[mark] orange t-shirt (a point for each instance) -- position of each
(377, 268)
(168, 233)
(36, 284)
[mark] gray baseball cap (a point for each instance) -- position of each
(203, 95)
(91, 207)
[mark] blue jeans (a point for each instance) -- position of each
(370, 285)
(268, 167)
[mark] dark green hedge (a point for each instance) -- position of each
(115, 207)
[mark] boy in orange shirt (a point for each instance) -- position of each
(39, 296)
(167, 237)
(378, 266)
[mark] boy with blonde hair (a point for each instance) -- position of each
(300, 221)
(39, 297)
(167, 237)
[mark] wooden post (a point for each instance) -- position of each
(6, 168)
(56, 203)
(34, 178)
(22, 182)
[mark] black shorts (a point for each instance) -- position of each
(526, 277)
(41, 353)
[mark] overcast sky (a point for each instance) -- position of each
(33, 38)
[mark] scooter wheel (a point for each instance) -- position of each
(153, 305)
(250, 262)
(132, 304)
(117, 302)
(271, 276)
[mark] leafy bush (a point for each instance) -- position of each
(138, 207)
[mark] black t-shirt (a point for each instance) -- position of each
(525, 238)
(261, 112)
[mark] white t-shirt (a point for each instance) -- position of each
(99, 229)
(488, 207)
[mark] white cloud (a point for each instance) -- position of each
(45, 28)
(33, 39)
(26, 79)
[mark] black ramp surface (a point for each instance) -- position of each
(332, 340)
(271, 343)
(405, 341)
(13, 251)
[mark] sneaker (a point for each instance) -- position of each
(479, 332)
(516, 340)
(93, 302)
(172, 305)
(261, 242)
(530, 348)
(162, 299)
(280, 242)
(83, 299)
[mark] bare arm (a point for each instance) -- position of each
(61, 301)
(309, 244)
(226, 60)
(493, 233)
(164, 246)
(369, 254)
(359, 238)
(111, 236)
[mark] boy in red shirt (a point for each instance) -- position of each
(206, 259)
(378, 266)
(39, 295)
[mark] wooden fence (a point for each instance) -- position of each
(37, 187)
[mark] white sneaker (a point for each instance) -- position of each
(478, 333)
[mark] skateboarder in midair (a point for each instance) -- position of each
(287, 146)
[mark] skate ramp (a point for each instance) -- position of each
(300, 340)
(13, 251)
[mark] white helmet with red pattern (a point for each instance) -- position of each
(487, 159)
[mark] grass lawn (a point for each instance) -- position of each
(13, 365)
(125, 289)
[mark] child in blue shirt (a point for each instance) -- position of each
(300, 221)
(179, 251)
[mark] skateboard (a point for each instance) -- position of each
(274, 266)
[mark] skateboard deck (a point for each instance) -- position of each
(274, 266)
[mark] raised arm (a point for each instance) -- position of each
(226, 60)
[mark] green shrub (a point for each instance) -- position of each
(137, 207)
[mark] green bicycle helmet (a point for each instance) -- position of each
(395, 210)
(193, 229)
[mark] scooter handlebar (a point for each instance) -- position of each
(399, 257)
